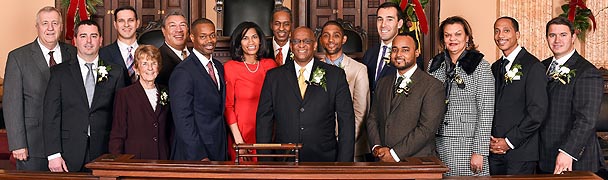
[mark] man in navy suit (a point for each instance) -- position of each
(121, 51)
(300, 102)
(567, 137)
(198, 100)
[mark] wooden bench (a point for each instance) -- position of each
(578, 175)
(20, 175)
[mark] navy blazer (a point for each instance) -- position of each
(370, 59)
(198, 112)
(111, 53)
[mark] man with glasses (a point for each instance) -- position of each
(300, 101)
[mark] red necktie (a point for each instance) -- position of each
(51, 59)
(279, 57)
(211, 72)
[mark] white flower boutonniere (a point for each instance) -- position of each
(291, 55)
(164, 97)
(404, 87)
(563, 74)
(318, 78)
(103, 71)
(514, 74)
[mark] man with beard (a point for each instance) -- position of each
(300, 102)
(198, 100)
(332, 38)
(121, 51)
(404, 118)
(174, 50)
(281, 28)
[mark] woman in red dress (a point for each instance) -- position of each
(244, 78)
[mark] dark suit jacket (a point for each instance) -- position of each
(138, 129)
(573, 112)
(67, 114)
(169, 61)
(312, 120)
(370, 59)
(407, 123)
(26, 77)
(270, 52)
(520, 107)
(111, 54)
(198, 112)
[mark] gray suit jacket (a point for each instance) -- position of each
(26, 77)
(407, 123)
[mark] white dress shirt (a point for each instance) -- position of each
(179, 52)
(284, 49)
(124, 50)
(56, 53)
(206, 61)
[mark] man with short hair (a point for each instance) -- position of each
(122, 50)
(78, 103)
(174, 50)
(281, 23)
(26, 76)
(404, 118)
(199, 99)
(520, 103)
(567, 136)
(332, 38)
(300, 102)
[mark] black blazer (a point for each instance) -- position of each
(111, 54)
(370, 59)
(521, 106)
(312, 120)
(573, 111)
(169, 61)
(67, 114)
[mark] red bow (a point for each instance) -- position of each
(419, 13)
(580, 3)
(75, 5)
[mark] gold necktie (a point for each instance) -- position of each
(184, 54)
(302, 82)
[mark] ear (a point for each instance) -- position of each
(517, 35)
(137, 23)
(400, 24)
(344, 38)
(417, 52)
(115, 24)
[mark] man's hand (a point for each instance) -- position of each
(58, 165)
(563, 163)
(476, 163)
(20, 154)
(498, 145)
(381, 152)
(387, 157)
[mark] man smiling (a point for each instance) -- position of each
(121, 51)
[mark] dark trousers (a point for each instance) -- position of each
(33, 164)
(501, 165)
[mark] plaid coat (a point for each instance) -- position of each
(467, 124)
(573, 111)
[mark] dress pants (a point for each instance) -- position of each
(500, 164)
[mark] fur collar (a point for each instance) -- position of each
(468, 61)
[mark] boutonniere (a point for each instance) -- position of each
(404, 87)
(459, 81)
(102, 71)
(514, 74)
(387, 58)
(164, 97)
(318, 78)
(563, 74)
(291, 55)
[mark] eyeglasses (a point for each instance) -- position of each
(305, 41)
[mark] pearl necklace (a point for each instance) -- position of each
(256, 68)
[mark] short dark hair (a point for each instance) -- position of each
(389, 4)
(175, 13)
(333, 22)
(202, 21)
(513, 22)
(560, 21)
(124, 8)
(410, 34)
(467, 30)
(236, 49)
(87, 22)
(281, 9)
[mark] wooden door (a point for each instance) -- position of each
(149, 10)
(325, 10)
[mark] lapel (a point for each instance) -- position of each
(292, 79)
(65, 54)
(140, 93)
(387, 93)
(399, 98)
(118, 56)
(308, 94)
(39, 59)
(373, 61)
(202, 71)
(169, 51)
(220, 73)
(100, 86)
(74, 67)
(570, 63)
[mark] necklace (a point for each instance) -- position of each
(256, 68)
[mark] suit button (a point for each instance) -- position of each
(155, 124)
(301, 109)
(445, 123)
(302, 128)
(155, 139)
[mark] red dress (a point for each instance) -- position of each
(243, 88)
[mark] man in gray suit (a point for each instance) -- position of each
(27, 74)
(403, 121)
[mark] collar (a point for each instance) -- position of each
(178, 52)
(561, 61)
(468, 61)
(408, 74)
(511, 57)
(308, 69)
(81, 61)
(276, 46)
(46, 51)
(123, 46)
(202, 58)
(337, 62)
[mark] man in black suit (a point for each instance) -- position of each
(174, 50)
(567, 137)
(78, 103)
(521, 103)
(121, 51)
(281, 23)
(300, 101)
(26, 77)
(377, 58)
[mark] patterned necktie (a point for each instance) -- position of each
(89, 83)
(302, 82)
(399, 80)
(552, 67)
(503, 67)
(211, 72)
(52, 59)
(130, 64)
(184, 54)
(279, 57)
(381, 65)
